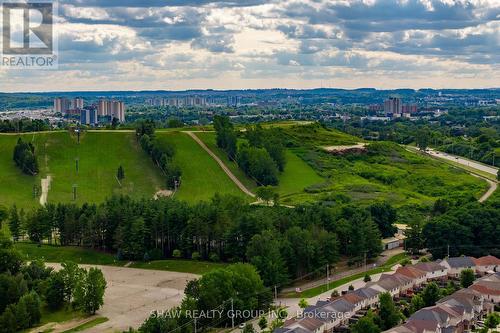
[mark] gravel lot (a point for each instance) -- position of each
(133, 293)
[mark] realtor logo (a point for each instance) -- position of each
(27, 36)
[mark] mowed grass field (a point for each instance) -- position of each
(293, 180)
(99, 155)
(15, 186)
(202, 177)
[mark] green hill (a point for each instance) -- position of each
(99, 155)
(202, 177)
(292, 182)
(385, 172)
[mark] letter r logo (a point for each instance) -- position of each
(27, 28)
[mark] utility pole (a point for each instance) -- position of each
(232, 313)
(195, 325)
(327, 278)
(365, 260)
(448, 251)
(275, 293)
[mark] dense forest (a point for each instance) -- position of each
(262, 155)
(283, 243)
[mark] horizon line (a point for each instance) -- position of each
(230, 90)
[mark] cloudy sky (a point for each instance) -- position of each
(230, 44)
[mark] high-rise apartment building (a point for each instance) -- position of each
(88, 116)
(61, 105)
(77, 103)
(393, 106)
(113, 109)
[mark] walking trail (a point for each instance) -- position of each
(221, 164)
(45, 189)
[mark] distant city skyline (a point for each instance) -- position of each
(253, 44)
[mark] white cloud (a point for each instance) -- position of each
(263, 44)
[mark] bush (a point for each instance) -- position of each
(176, 253)
(155, 254)
(214, 257)
(196, 256)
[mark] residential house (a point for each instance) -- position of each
(333, 314)
(434, 271)
(393, 284)
(369, 296)
(357, 301)
(455, 265)
(487, 265)
(417, 276)
(488, 287)
(306, 324)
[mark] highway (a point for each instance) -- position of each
(464, 161)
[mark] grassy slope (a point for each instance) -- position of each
(297, 175)
(15, 186)
(202, 177)
(100, 154)
(414, 179)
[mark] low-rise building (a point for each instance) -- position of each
(433, 270)
(455, 265)
(487, 264)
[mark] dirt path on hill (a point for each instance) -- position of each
(45, 189)
(221, 164)
(491, 190)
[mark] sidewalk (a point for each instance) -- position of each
(381, 260)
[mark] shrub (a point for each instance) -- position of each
(176, 253)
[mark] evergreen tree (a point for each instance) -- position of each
(14, 223)
(8, 322)
(55, 291)
(263, 252)
(120, 174)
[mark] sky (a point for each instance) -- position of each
(249, 44)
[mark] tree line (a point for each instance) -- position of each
(23, 125)
(283, 243)
(262, 157)
(25, 158)
(27, 289)
(161, 154)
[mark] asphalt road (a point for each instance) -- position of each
(464, 161)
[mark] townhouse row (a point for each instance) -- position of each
(336, 314)
(463, 311)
